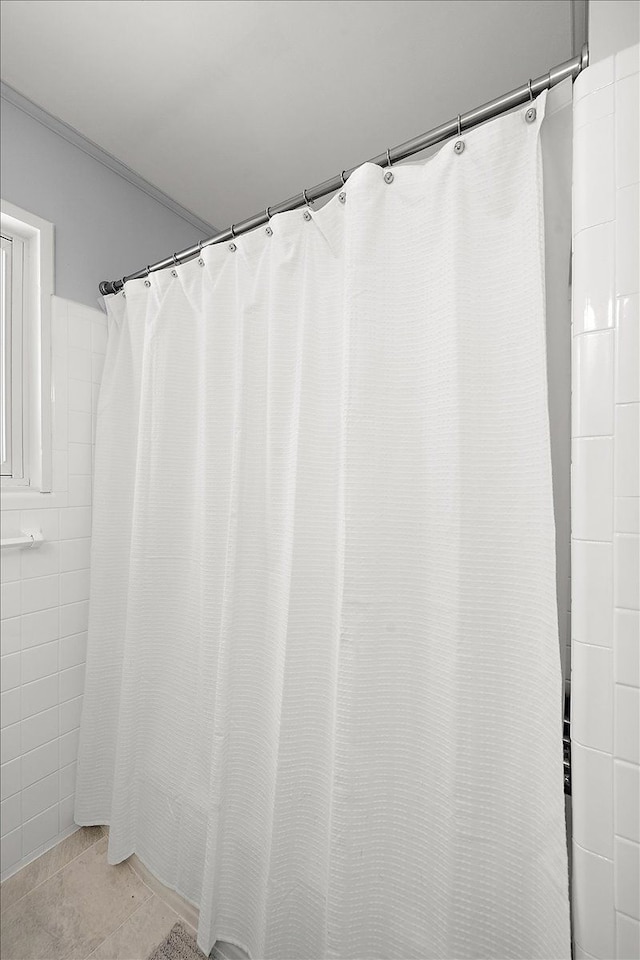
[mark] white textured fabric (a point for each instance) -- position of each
(323, 684)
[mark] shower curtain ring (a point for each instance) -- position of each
(148, 270)
(530, 115)
(306, 213)
(233, 231)
(175, 260)
(388, 177)
(458, 146)
(343, 178)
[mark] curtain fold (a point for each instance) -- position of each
(323, 682)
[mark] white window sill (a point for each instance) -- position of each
(14, 498)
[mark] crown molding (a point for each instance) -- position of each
(62, 129)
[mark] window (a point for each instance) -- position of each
(11, 296)
(25, 368)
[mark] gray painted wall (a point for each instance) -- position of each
(613, 25)
(105, 227)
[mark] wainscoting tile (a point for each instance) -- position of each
(40, 830)
(628, 350)
(592, 488)
(627, 110)
(627, 723)
(40, 561)
(592, 583)
(10, 849)
(10, 815)
(593, 901)
(594, 144)
(39, 763)
(597, 76)
(628, 935)
(627, 252)
(626, 647)
(40, 627)
(602, 103)
(39, 696)
(626, 788)
(592, 696)
(627, 878)
(38, 729)
(627, 515)
(627, 567)
(627, 455)
(37, 798)
(627, 62)
(593, 363)
(594, 278)
(10, 636)
(592, 775)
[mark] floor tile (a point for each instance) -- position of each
(45, 866)
(189, 915)
(73, 912)
(138, 937)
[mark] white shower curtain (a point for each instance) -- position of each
(323, 695)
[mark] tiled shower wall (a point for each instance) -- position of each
(45, 592)
(605, 677)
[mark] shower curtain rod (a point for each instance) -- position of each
(515, 98)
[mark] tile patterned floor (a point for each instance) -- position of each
(70, 904)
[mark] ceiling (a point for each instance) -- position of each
(230, 105)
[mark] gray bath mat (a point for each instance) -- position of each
(178, 945)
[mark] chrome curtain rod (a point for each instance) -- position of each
(515, 98)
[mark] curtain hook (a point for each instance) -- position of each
(388, 177)
(148, 270)
(175, 260)
(306, 213)
(458, 146)
(266, 210)
(343, 178)
(233, 231)
(530, 115)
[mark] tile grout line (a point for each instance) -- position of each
(55, 873)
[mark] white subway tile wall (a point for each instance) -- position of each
(45, 593)
(605, 677)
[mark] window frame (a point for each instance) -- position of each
(35, 237)
(12, 466)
